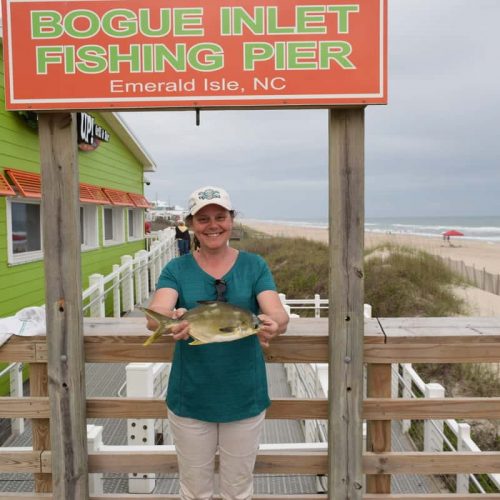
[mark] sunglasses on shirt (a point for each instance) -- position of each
(220, 288)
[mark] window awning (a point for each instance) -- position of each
(28, 183)
(5, 187)
(139, 200)
(93, 194)
(120, 198)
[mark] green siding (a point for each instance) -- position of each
(110, 165)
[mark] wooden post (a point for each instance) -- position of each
(40, 427)
(378, 437)
(346, 322)
(63, 297)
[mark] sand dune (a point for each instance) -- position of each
(482, 255)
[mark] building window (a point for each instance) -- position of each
(135, 225)
(113, 223)
(88, 227)
(24, 231)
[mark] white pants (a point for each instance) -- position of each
(196, 443)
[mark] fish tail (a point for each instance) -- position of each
(152, 338)
(164, 323)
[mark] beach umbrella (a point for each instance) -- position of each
(453, 232)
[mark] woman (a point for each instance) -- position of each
(182, 237)
(217, 393)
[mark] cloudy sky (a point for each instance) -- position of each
(433, 150)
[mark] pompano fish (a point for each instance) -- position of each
(209, 322)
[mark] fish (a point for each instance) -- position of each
(211, 321)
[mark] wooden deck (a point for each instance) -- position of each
(386, 341)
(106, 379)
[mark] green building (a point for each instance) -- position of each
(112, 164)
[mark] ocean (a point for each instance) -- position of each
(482, 228)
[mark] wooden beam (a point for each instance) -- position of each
(281, 408)
(435, 496)
(346, 292)
(408, 340)
(216, 497)
(470, 350)
(19, 461)
(19, 349)
(35, 407)
(383, 409)
(268, 462)
(432, 463)
(435, 408)
(378, 438)
(123, 496)
(40, 426)
(161, 461)
(284, 349)
(63, 297)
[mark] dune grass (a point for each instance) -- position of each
(402, 281)
(299, 266)
(399, 281)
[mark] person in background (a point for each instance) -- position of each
(217, 393)
(183, 238)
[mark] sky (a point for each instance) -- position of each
(433, 150)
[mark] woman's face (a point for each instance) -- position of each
(212, 226)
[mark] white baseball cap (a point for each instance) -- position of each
(208, 195)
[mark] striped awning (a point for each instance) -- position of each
(139, 200)
(120, 198)
(93, 194)
(28, 183)
(5, 187)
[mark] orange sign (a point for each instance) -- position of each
(89, 54)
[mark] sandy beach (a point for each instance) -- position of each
(481, 255)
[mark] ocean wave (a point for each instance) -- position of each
(427, 228)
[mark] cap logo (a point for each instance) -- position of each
(208, 194)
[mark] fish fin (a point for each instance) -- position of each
(165, 323)
(152, 338)
(196, 342)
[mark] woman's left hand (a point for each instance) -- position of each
(268, 329)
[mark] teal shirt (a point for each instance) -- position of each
(226, 381)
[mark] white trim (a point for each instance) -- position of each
(118, 221)
(137, 222)
(120, 128)
(90, 227)
(201, 98)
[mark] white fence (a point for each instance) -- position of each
(481, 278)
(317, 304)
(406, 383)
(131, 281)
(128, 284)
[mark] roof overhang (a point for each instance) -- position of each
(129, 139)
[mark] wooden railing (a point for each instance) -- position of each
(434, 340)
